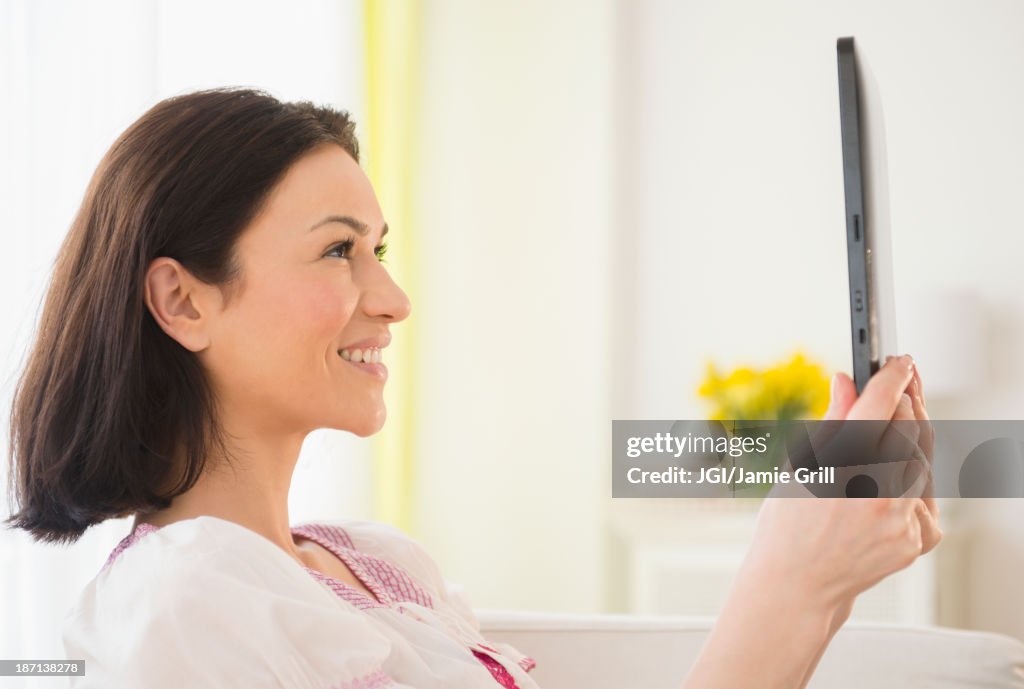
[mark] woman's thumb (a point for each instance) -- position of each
(844, 394)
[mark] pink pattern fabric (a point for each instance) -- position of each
(497, 670)
(388, 583)
(128, 541)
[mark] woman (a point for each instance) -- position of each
(220, 295)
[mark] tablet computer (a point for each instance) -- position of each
(866, 186)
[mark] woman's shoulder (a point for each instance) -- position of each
(154, 570)
(189, 538)
(209, 591)
(185, 546)
(151, 556)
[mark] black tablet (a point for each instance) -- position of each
(868, 245)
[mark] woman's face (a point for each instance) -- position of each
(301, 345)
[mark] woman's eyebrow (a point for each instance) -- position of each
(357, 225)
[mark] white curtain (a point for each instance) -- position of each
(72, 77)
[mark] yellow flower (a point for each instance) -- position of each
(795, 389)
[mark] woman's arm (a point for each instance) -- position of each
(769, 634)
(811, 557)
(837, 621)
(844, 394)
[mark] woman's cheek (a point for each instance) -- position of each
(324, 315)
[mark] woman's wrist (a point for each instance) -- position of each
(791, 600)
(769, 629)
(839, 618)
(798, 583)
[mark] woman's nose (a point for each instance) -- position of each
(383, 298)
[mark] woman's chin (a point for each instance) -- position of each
(366, 425)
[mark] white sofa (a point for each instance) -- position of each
(591, 651)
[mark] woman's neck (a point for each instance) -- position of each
(251, 490)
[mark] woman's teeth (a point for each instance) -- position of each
(365, 356)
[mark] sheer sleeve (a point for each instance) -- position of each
(178, 610)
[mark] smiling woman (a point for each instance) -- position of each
(220, 295)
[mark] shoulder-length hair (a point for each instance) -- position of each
(112, 416)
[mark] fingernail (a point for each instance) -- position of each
(905, 398)
(834, 385)
(907, 360)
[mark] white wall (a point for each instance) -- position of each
(515, 202)
(612, 194)
(735, 196)
(740, 204)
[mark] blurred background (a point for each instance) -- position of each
(591, 202)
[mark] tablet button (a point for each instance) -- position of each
(858, 300)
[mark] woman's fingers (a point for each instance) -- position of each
(931, 534)
(927, 435)
(927, 443)
(882, 394)
(899, 439)
(926, 506)
(844, 394)
(920, 386)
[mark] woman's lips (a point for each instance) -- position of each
(377, 370)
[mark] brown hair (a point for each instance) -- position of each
(110, 410)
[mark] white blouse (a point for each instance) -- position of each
(206, 603)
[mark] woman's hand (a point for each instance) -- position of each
(877, 536)
(811, 557)
(834, 548)
(912, 415)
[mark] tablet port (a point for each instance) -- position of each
(863, 335)
(856, 228)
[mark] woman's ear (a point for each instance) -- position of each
(178, 303)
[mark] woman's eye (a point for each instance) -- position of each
(344, 250)
(340, 250)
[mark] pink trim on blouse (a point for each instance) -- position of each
(497, 670)
(130, 540)
(390, 584)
